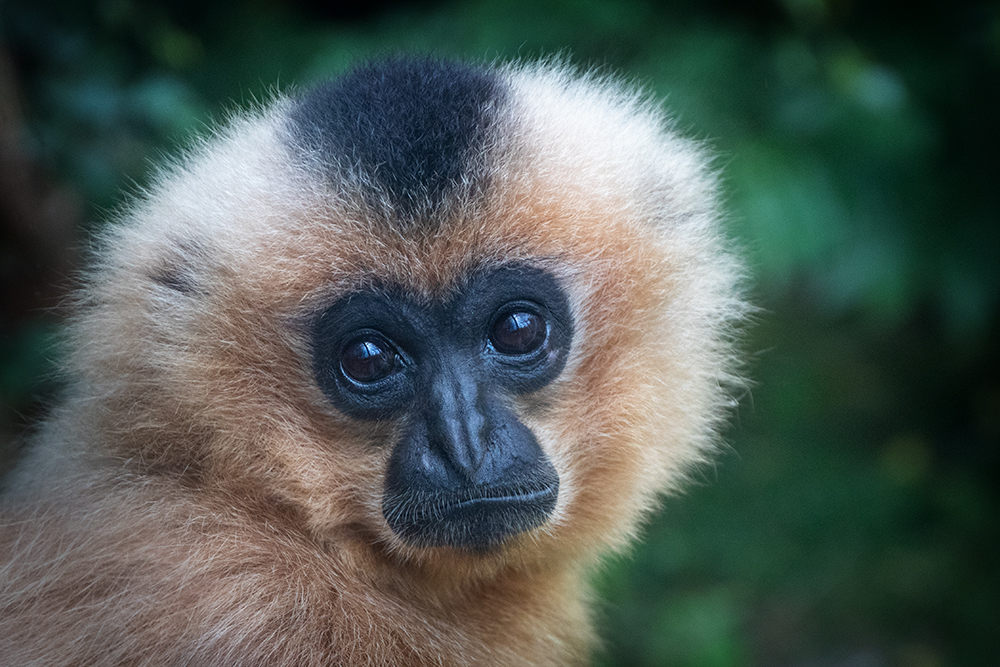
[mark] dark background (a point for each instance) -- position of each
(852, 519)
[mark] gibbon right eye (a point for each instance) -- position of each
(368, 359)
(518, 332)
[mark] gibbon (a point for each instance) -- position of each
(375, 375)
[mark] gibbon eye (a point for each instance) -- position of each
(368, 359)
(518, 332)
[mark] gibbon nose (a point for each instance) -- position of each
(457, 426)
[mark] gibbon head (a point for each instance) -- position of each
(451, 316)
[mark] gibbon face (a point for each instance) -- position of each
(444, 323)
(464, 471)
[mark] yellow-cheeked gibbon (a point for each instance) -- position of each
(374, 376)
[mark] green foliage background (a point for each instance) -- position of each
(854, 519)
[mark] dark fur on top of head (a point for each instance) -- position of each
(205, 496)
(405, 130)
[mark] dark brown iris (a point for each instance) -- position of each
(518, 332)
(368, 359)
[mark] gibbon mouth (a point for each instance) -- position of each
(524, 498)
(475, 520)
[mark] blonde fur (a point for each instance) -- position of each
(197, 501)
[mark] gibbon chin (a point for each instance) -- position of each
(375, 375)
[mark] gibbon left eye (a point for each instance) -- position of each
(368, 359)
(518, 332)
